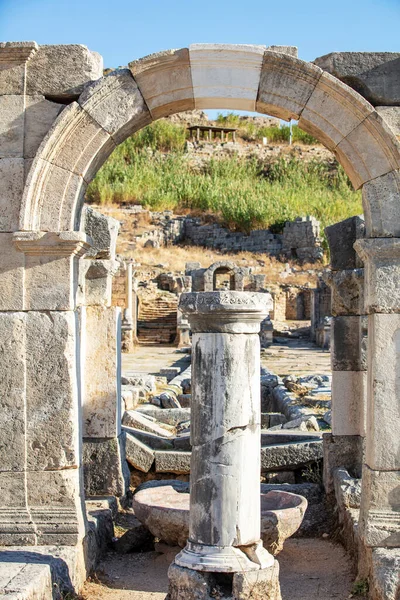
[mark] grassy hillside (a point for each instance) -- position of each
(151, 168)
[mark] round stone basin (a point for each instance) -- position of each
(163, 507)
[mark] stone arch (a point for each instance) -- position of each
(226, 267)
(210, 76)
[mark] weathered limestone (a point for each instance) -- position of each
(381, 205)
(348, 353)
(13, 58)
(286, 84)
(380, 504)
(40, 114)
(62, 71)
(224, 531)
(334, 110)
(374, 75)
(226, 76)
(165, 81)
(116, 104)
(12, 185)
(50, 257)
(102, 230)
(101, 403)
(390, 114)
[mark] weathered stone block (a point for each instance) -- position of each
(390, 114)
(380, 508)
(13, 492)
(382, 274)
(101, 404)
(290, 50)
(115, 102)
(374, 75)
(12, 361)
(381, 205)
(39, 295)
(98, 278)
(165, 81)
(342, 451)
(51, 395)
(62, 71)
(368, 151)
(349, 336)
(385, 578)
(13, 57)
(383, 453)
(85, 145)
(226, 76)
(341, 237)
(257, 585)
(24, 580)
(12, 126)
(11, 274)
(349, 400)
(39, 117)
(12, 185)
(286, 84)
(105, 470)
(54, 183)
(333, 111)
(290, 456)
(172, 461)
(347, 291)
(102, 230)
(138, 454)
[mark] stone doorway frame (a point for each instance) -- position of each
(49, 243)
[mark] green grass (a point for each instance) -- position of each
(253, 132)
(242, 192)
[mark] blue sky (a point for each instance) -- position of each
(122, 30)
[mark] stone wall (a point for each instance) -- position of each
(300, 239)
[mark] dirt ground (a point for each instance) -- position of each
(310, 569)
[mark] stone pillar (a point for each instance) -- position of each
(40, 473)
(224, 527)
(344, 448)
(128, 323)
(380, 501)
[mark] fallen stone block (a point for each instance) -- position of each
(170, 372)
(133, 418)
(153, 441)
(130, 398)
(287, 436)
(141, 380)
(169, 416)
(290, 456)
(169, 401)
(172, 462)
(138, 455)
(385, 579)
(185, 400)
(23, 581)
(303, 423)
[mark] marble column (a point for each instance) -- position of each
(224, 530)
(380, 501)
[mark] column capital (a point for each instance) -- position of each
(381, 258)
(225, 311)
(48, 243)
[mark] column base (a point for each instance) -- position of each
(224, 559)
(189, 584)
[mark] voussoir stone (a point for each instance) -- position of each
(226, 75)
(117, 105)
(165, 81)
(286, 85)
(62, 71)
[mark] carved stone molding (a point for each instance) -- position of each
(64, 243)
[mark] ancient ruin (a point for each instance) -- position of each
(65, 444)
